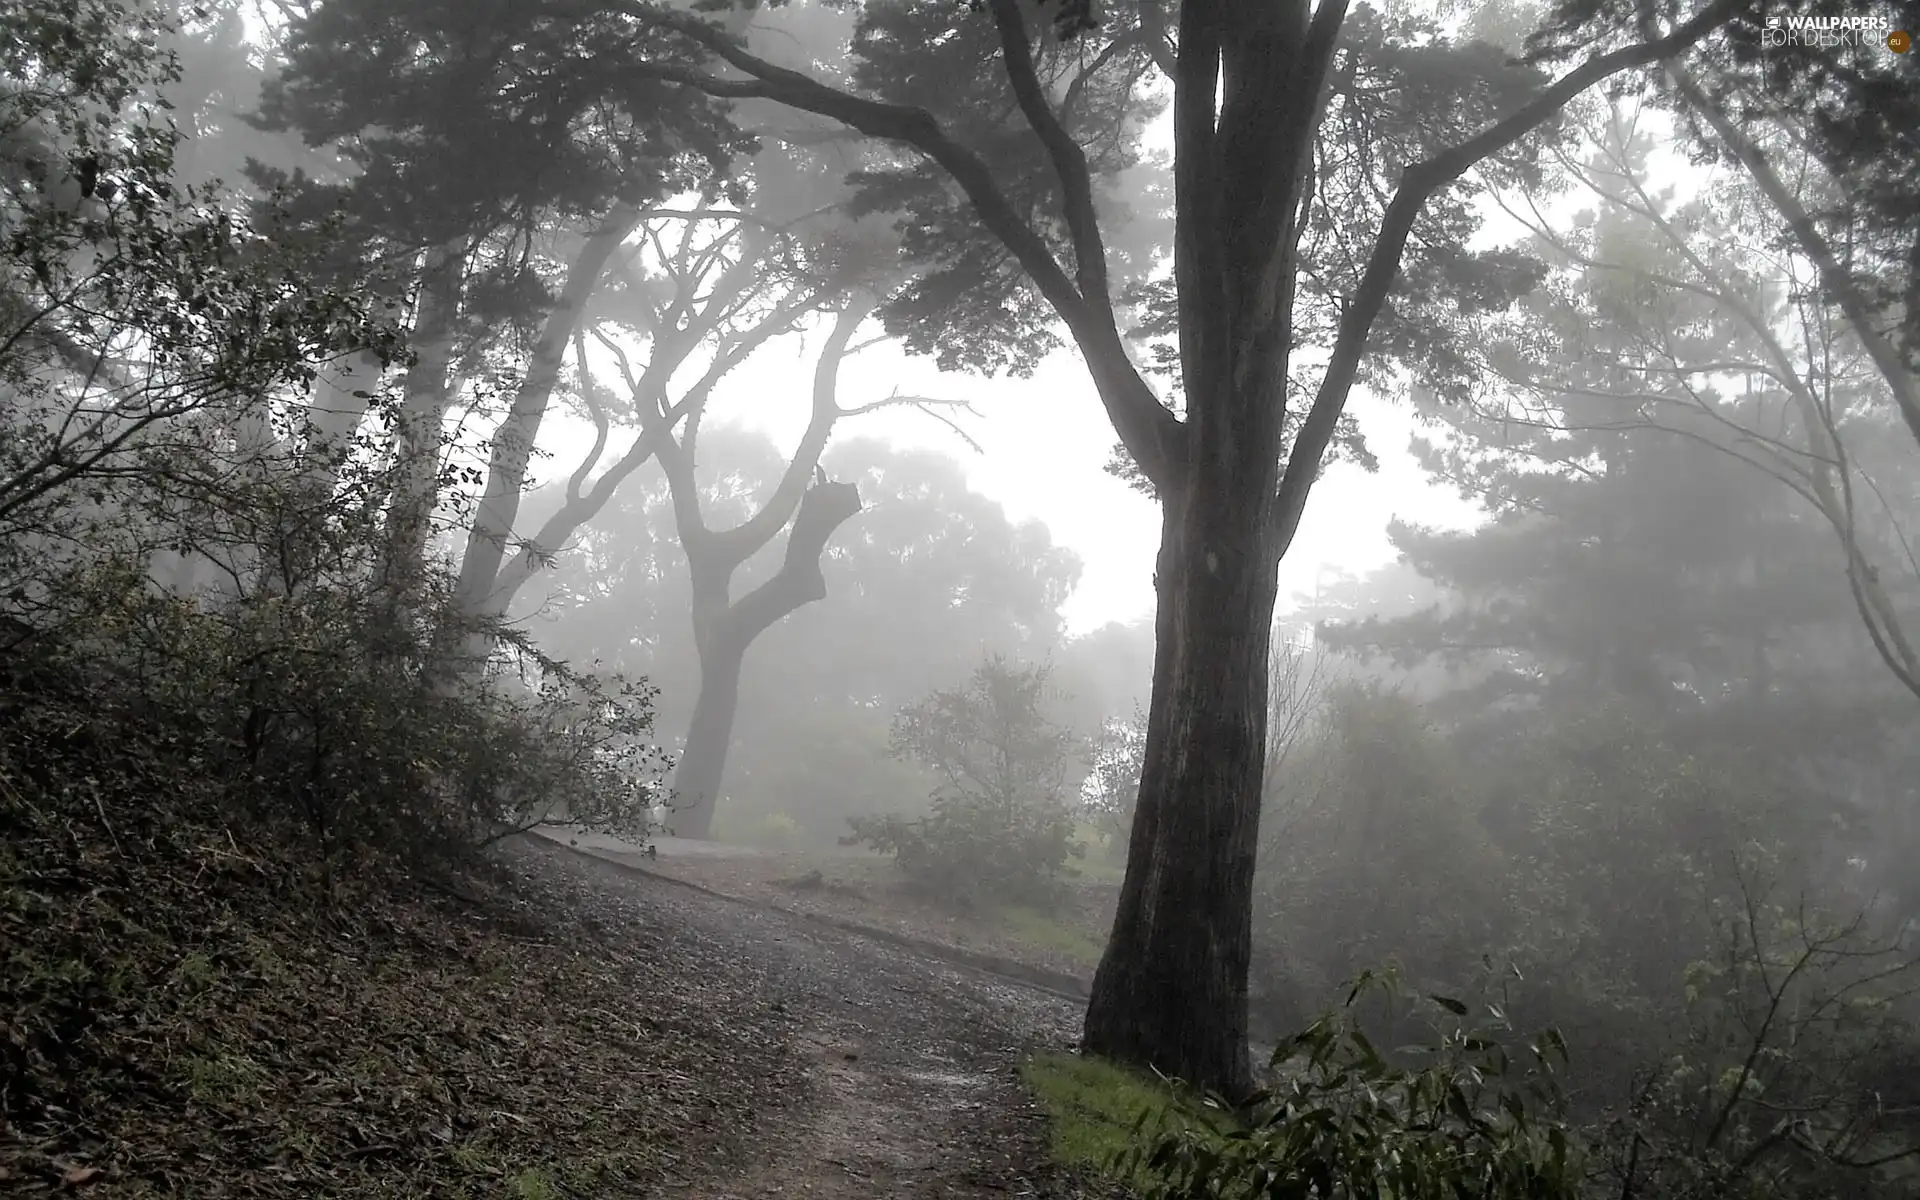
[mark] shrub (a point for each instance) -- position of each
(1457, 1119)
(1794, 1072)
(312, 707)
(999, 822)
(1112, 788)
(1370, 854)
(188, 544)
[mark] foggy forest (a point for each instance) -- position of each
(1315, 599)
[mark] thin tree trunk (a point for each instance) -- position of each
(342, 394)
(513, 442)
(423, 412)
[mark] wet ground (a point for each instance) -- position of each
(910, 1064)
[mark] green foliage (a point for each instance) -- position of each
(1790, 1071)
(181, 548)
(1848, 106)
(139, 317)
(1460, 1117)
(971, 305)
(1000, 824)
(1112, 789)
(1371, 853)
(479, 122)
(318, 707)
(1051, 932)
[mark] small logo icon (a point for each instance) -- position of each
(1773, 22)
(1899, 41)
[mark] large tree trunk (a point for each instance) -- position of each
(703, 762)
(1171, 989)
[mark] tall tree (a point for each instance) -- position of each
(1827, 129)
(1250, 88)
(724, 626)
(1645, 574)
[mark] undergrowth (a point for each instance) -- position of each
(189, 1006)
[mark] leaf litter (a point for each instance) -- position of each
(187, 1012)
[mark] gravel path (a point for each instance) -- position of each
(904, 1080)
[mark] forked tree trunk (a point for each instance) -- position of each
(723, 630)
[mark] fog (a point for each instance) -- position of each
(685, 470)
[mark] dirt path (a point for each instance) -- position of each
(909, 1065)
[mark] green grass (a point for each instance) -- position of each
(1096, 1109)
(1046, 932)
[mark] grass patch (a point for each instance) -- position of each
(1047, 932)
(1098, 1111)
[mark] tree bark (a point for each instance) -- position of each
(703, 760)
(422, 416)
(342, 394)
(1171, 989)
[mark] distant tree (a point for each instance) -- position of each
(1646, 576)
(1113, 785)
(724, 627)
(1667, 316)
(1251, 87)
(1829, 137)
(1000, 823)
(499, 175)
(1107, 672)
(931, 576)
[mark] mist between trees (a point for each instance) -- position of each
(375, 450)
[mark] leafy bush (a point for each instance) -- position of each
(999, 822)
(1795, 1071)
(313, 707)
(1112, 789)
(1460, 1118)
(1370, 854)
